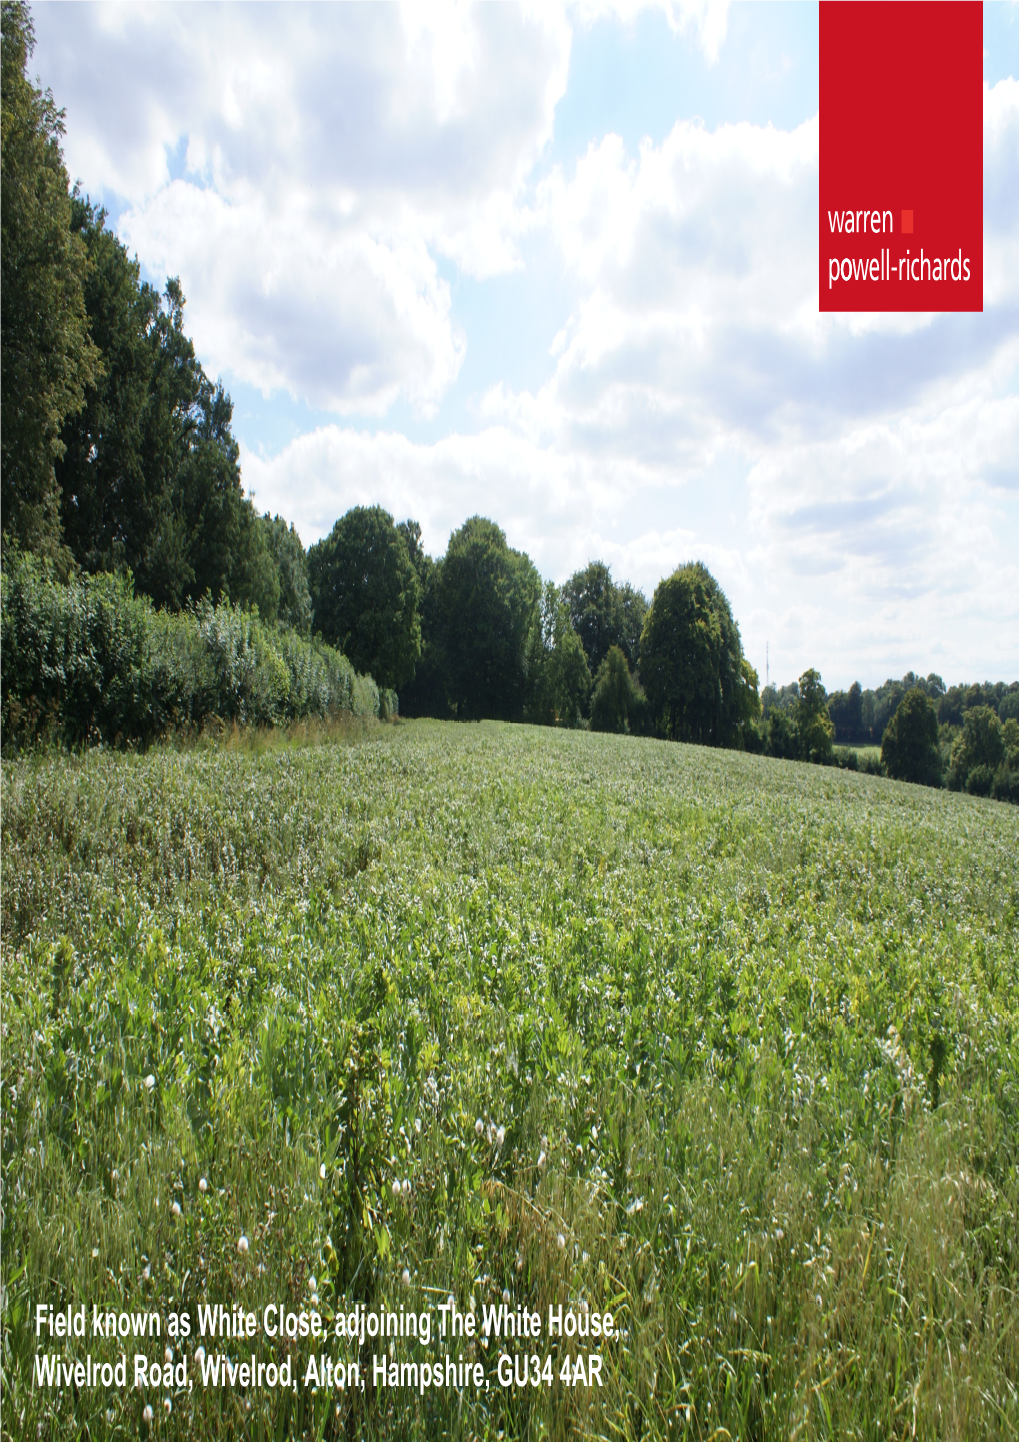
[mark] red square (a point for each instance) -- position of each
(900, 118)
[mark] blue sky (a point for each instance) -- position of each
(559, 267)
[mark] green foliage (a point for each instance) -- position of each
(813, 725)
(617, 704)
(977, 753)
(750, 1032)
(89, 661)
(604, 614)
(294, 608)
(487, 611)
(46, 356)
(559, 682)
(691, 661)
(910, 746)
(149, 477)
(365, 593)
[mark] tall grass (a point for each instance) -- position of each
(749, 1028)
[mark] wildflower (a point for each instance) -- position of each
(168, 1406)
(150, 1082)
(405, 1277)
(199, 1354)
(322, 1170)
(561, 1240)
(479, 1127)
(242, 1244)
(146, 1413)
(405, 1187)
(168, 1355)
(312, 1286)
(175, 1207)
(95, 1253)
(506, 1295)
(500, 1136)
(541, 1160)
(203, 1185)
(146, 1272)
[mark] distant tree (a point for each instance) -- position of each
(633, 609)
(46, 355)
(978, 752)
(595, 609)
(616, 702)
(910, 745)
(691, 661)
(559, 682)
(284, 545)
(488, 598)
(365, 595)
(846, 713)
(813, 724)
(782, 738)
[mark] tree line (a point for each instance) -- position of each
(118, 457)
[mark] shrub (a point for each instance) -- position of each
(87, 660)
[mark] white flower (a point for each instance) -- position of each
(146, 1272)
(95, 1253)
(176, 1208)
(396, 1187)
(506, 1295)
(168, 1406)
(541, 1160)
(242, 1244)
(146, 1413)
(203, 1185)
(150, 1082)
(405, 1187)
(561, 1240)
(405, 1277)
(322, 1170)
(479, 1127)
(500, 1136)
(168, 1355)
(199, 1354)
(312, 1285)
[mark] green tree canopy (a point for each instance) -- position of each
(46, 355)
(489, 597)
(616, 702)
(691, 661)
(813, 724)
(365, 593)
(604, 614)
(559, 682)
(910, 745)
(284, 545)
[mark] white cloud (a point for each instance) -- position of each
(301, 169)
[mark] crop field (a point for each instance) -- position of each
(721, 1045)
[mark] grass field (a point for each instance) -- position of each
(723, 1045)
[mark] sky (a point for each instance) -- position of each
(557, 265)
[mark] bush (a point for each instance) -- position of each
(87, 660)
(845, 758)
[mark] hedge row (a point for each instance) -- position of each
(87, 660)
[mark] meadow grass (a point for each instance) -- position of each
(749, 1029)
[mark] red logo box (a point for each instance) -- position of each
(900, 146)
